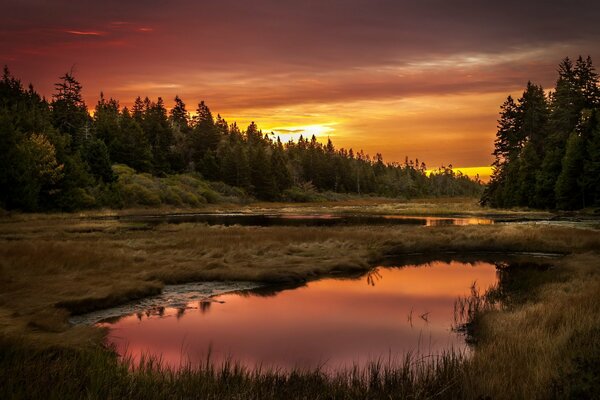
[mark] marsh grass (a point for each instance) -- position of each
(542, 343)
(61, 373)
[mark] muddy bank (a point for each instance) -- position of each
(172, 296)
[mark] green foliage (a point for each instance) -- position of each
(55, 156)
(69, 112)
(95, 154)
(568, 188)
(184, 190)
(132, 146)
(546, 149)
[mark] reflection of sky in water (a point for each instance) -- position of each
(306, 219)
(331, 321)
(438, 221)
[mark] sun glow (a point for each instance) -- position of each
(483, 172)
(287, 133)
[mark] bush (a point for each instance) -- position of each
(142, 189)
(136, 194)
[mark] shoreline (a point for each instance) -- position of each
(83, 264)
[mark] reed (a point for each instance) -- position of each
(544, 339)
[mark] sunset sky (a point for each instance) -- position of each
(422, 79)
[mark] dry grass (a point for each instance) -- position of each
(455, 206)
(50, 265)
(539, 346)
(85, 264)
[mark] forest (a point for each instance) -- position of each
(57, 155)
(547, 148)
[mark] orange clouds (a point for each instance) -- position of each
(86, 33)
(417, 79)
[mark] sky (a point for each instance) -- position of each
(422, 79)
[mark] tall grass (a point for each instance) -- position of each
(60, 373)
(543, 343)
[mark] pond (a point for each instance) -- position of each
(329, 323)
(305, 219)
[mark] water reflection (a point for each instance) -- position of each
(335, 322)
(205, 306)
(304, 219)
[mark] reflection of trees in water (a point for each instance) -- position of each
(180, 312)
(373, 276)
(158, 310)
(515, 280)
(204, 306)
(269, 290)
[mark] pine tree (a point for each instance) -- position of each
(569, 193)
(106, 123)
(261, 177)
(133, 147)
(591, 163)
(95, 153)
(587, 82)
(222, 127)
(253, 134)
(506, 149)
(138, 110)
(204, 138)
(279, 168)
(179, 116)
(528, 168)
(69, 112)
(533, 117)
(160, 136)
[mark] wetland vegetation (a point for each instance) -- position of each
(130, 200)
(543, 339)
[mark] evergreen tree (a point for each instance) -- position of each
(221, 126)
(569, 193)
(69, 112)
(138, 110)
(95, 153)
(279, 168)
(205, 138)
(591, 163)
(179, 116)
(69, 167)
(587, 82)
(528, 168)
(533, 117)
(106, 123)
(253, 134)
(261, 177)
(133, 147)
(506, 149)
(160, 136)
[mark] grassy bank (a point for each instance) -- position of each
(50, 267)
(363, 205)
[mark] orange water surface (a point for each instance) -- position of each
(330, 323)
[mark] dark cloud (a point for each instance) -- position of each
(316, 34)
(262, 54)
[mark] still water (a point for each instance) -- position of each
(330, 323)
(304, 219)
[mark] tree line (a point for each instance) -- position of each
(55, 154)
(547, 148)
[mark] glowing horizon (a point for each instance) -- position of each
(375, 78)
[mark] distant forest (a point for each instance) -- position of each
(547, 147)
(56, 155)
